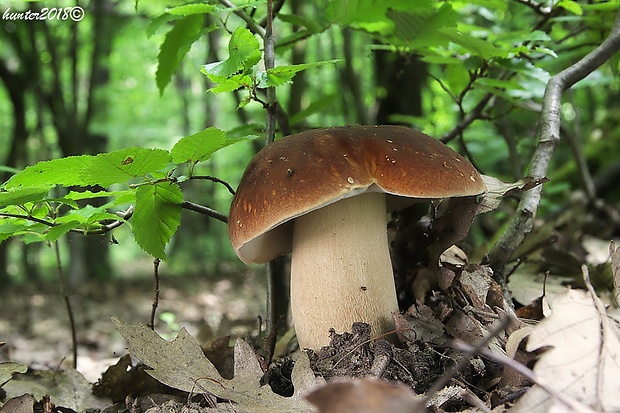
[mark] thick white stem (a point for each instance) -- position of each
(341, 270)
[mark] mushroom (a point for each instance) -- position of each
(324, 195)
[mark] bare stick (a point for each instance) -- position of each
(205, 211)
(67, 301)
(270, 132)
(155, 304)
(442, 381)
(523, 221)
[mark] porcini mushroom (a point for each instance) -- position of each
(324, 195)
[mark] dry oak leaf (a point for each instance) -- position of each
(582, 366)
(182, 365)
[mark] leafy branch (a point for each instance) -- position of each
(548, 140)
(152, 197)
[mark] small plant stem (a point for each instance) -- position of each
(270, 133)
(65, 297)
(155, 304)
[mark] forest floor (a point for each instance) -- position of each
(456, 338)
(35, 325)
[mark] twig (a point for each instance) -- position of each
(520, 368)
(270, 132)
(473, 115)
(67, 301)
(440, 383)
(205, 211)
(100, 231)
(523, 220)
(215, 179)
(155, 304)
(252, 24)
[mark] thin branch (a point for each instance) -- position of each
(569, 402)
(474, 114)
(270, 56)
(205, 211)
(270, 132)
(215, 179)
(549, 138)
(100, 231)
(252, 24)
(443, 381)
(155, 303)
(67, 301)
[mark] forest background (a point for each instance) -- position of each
(147, 74)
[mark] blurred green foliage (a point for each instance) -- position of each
(154, 74)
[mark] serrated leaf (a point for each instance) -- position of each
(229, 84)
(200, 146)
(243, 53)
(422, 27)
(189, 9)
(175, 46)
(63, 171)
(127, 195)
(54, 233)
(479, 47)
(283, 74)
(185, 367)
(20, 196)
(123, 165)
(157, 216)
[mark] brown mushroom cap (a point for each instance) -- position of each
(307, 171)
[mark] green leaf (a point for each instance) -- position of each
(175, 46)
(317, 106)
(421, 28)
(189, 9)
(229, 84)
(157, 216)
(499, 83)
(59, 230)
(126, 196)
(23, 195)
(314, 24)
(479, 47)
(283, 74)
(200, 146)
(352, 12)
(244, 53)
(9, 169)
(123, 165)
(571, 6)
(63, 171)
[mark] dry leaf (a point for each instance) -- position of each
(8, 368)
(66, 388)
(182, 365)
(365, 396)
(419, 323)
(583, 362)
(22, 404)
